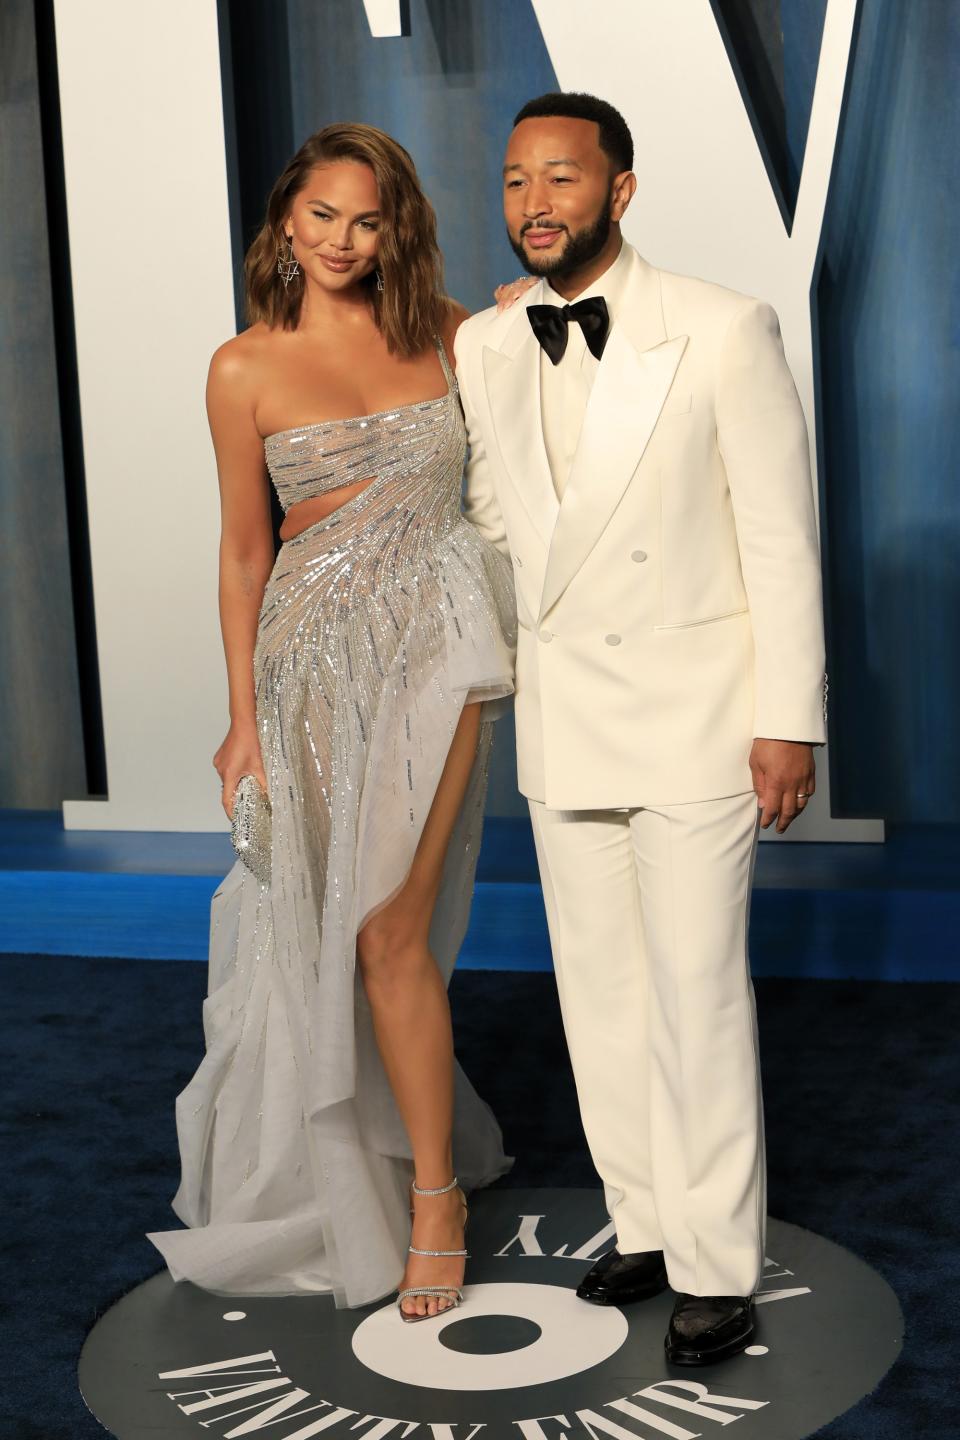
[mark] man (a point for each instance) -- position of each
(642, 456)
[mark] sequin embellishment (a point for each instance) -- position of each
(378, 624)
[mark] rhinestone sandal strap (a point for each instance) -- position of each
(436, 1292)
(439, 1254)
(440, 1190)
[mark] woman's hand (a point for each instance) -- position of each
(238, 755)
(509, 293)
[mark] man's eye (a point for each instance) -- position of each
(514, 184)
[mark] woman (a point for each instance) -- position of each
(362, 666)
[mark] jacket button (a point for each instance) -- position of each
(639, 556)
(612, 639)
(546, 636)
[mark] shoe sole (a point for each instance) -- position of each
(647, 1292)
(678, 1356)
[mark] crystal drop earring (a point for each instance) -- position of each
(380, 285)
(287, 264)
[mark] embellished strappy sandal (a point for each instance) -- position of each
(453, 1293)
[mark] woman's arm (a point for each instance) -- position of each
(246, 552)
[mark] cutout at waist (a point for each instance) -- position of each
(305, 513)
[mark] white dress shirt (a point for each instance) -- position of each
(565, 388)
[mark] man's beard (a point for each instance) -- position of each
(580, 249)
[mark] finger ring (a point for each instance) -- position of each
(803, 794)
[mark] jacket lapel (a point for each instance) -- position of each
(631, 385)
(511, 373)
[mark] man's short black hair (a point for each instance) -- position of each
(615, 138)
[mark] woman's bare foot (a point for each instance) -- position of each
(438, 1223)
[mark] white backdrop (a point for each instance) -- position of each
(143, 138)
(150, 247)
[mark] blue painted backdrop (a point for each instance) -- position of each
(889, 312)
(773, 47)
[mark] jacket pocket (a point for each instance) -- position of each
(710, 620)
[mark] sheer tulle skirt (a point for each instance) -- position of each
(376, 629)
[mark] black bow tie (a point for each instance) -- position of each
(551, 324)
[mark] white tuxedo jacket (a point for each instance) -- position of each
(670, 606)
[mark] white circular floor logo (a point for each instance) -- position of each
(573, 1337)
(522, 1358)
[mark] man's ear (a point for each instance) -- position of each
(623, 191)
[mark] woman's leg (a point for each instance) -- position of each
(411, 1018)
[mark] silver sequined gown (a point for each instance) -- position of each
(378, 625)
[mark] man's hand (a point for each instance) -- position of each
(784, 779)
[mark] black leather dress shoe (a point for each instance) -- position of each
(618, 1279)
(705, 1328)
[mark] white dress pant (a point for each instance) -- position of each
(648, 912)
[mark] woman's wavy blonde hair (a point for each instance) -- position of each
(411, 308)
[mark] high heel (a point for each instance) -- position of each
(453, 1293)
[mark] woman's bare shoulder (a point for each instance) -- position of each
(236, 363)
(456, 314)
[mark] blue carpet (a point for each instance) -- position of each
(862, 1108)
(819, 911)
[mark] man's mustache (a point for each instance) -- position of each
(539, 225)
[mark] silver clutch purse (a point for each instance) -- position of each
(250, 827)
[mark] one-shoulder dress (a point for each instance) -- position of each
(378, 624)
